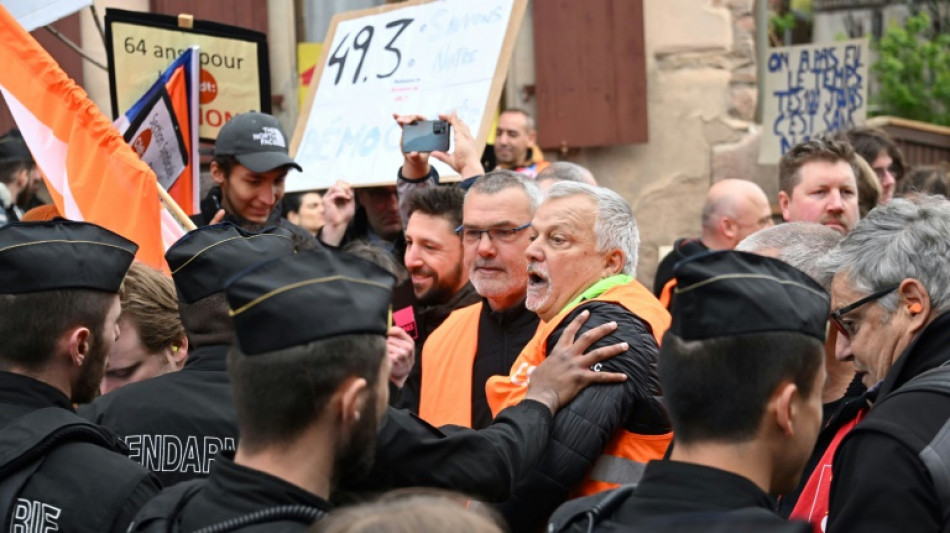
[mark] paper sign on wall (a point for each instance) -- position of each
(420, 57)
(811, 90)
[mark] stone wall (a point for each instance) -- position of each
(701, 90)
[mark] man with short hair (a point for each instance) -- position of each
(728, 456)
(890, 295)
(514, 144)
(434, 261)
(59, 308)
(310, 388)
(733, 210)
(175, 424)
(582, 257)
(817, 183)
(249, 169)
(483, 339)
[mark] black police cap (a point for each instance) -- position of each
(61, 254)
(313, 295)
(203, 260)
(726, 293)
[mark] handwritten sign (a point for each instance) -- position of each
(811, 90)
(234, 76)
(419, 57)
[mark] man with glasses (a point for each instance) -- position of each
(890, 295)
(483, 339)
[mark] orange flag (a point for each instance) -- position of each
(92, 174)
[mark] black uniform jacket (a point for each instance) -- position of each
(176, 423)
(682, 249)
(676, 496)
(584, 428)
(242, 494)
(879, 483)
(483, 464)
(80, 486)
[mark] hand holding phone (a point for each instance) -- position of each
(426, 136)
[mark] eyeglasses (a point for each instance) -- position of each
(472, 235)
(847, 329)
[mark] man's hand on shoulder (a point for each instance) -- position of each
(567, 370)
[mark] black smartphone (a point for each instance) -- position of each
(426, 136)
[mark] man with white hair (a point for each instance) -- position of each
(582, 259)
(890, 295)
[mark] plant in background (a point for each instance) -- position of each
(913, 72)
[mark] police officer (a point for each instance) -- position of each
(59, 307)
(176, 423)
(742, 373)
(310, 386)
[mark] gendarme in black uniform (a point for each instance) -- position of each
(174, 424)
(86, 484)
(58, 472)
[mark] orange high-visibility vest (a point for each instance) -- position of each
(445, 396)
(666, 295)
(623, 459)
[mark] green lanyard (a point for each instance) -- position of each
(599, 288)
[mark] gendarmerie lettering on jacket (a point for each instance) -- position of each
(171, 453)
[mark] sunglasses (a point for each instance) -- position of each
(846, 329)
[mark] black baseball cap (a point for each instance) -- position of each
(257, 141)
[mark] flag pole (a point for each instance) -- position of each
(174, 208)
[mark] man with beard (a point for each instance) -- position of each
(483, 339)
(59, 311)
(310, 387)
(434, 260)
(817, 183)
(582, 257)
(174, 424)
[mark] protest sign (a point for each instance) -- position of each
(419, 57)
(234, 76)
(810, 90)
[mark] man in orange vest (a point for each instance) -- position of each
(582, 258)
(483, 339)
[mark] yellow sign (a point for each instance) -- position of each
(230, 75)
(307, 56)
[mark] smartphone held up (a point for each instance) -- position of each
(426, 136)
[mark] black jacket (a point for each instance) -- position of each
(258, 501)
(80, 486)
(880, 483)
(675, 496)
(212, 203)
(174, 424)
(584, 428)
(483, 464)
(682, 249)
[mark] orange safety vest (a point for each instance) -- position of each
(445, 396)
(666, 295)
(623, 459)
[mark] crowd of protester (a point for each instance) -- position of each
(478, 356)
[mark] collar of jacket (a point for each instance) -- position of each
(599, 288)
(929, 350)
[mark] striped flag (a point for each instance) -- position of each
(92, 174)
(162, 127)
